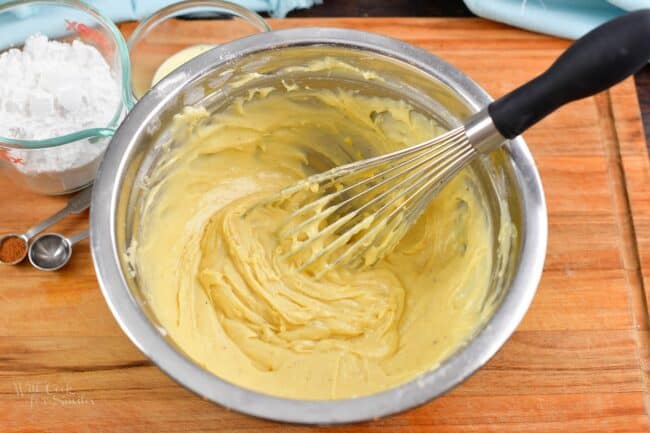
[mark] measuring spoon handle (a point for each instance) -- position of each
(77, 203)
(78, 237)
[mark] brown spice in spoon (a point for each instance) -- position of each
(12, 249)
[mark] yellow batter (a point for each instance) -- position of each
(216, 285)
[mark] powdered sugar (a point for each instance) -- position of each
(49, 89)
(52, 88)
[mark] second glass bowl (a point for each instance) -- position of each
(184, 30)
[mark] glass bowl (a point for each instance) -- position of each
(174, 29)
(45, 165)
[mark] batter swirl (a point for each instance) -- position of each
(216, 284)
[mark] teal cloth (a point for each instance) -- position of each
(128, 10)
(18, 24)
(565, 18)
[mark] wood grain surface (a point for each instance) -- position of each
(579, 362)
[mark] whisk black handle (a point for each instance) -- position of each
(598, 60)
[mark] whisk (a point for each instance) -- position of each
(354, 214)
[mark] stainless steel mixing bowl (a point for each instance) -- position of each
(509, 176)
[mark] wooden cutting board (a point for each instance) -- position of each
(578, 363)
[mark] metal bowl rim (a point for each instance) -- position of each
(423, 388)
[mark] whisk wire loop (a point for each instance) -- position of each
(353, 214)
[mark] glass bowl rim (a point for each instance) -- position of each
(146, 25)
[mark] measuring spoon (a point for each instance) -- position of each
(76, 204)
(52, 251)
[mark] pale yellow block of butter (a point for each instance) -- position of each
(178, 59)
